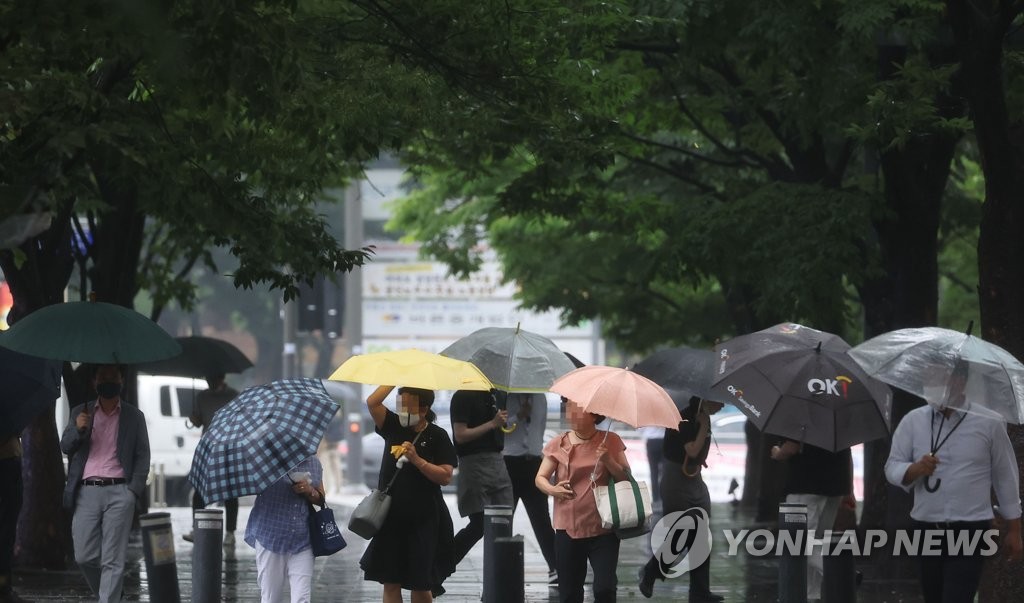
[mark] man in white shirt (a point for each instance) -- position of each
(952, 461)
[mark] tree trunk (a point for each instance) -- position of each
(906, 294)
(1000, 244)
(44, 535)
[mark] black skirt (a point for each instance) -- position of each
(415, 547)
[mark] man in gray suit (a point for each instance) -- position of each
(108, 459)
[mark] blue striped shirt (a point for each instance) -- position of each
(278, 519)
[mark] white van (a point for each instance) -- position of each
(167, 402)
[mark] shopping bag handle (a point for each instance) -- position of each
(613, 500)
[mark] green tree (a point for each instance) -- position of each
(715, 165)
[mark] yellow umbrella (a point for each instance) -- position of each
(412, 368)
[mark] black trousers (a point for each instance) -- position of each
(523, 470)
(230, 510)
(572, 555)
(10, 507)
(949, 578)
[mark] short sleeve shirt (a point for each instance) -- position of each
(674, 445)
(411, 487)
(578, 516)
(476, 408)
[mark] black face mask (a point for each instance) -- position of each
(108, 389)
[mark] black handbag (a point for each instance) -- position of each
(324, 533)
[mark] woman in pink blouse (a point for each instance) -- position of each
(574, 462)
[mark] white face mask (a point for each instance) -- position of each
(406, 418)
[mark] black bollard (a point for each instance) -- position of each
(158, 549)
(497, 524)
(839, 582)
(207, 555)
(792, 559)
(510, 582)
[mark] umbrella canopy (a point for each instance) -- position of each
(412, 368)
(513, 359)
(88, 331)
(200, 357)
(620, 394)
(799, 383)
(259, 436)
(683, 372)
(28, 386)
(923, 360)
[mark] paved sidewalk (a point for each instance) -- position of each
(338, 578)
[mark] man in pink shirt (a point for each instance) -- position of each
(108, 459)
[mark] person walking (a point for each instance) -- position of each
(523, 453)
(414, 549)
(821, 480)
(108, 460)
(10, 507)
(278, 528)
(684, 454)
(208, 402)
(573, 463)
(483, 478)
(972, 456)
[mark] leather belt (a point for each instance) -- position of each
(104, 481)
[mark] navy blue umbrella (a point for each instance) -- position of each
(28, 386)
(264, 433)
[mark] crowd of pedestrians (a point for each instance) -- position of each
(950, 459)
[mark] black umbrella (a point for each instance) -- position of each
(800, 383)
(683, 372)
(28, 386)
(200, 357)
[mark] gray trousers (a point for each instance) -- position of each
(100, 528)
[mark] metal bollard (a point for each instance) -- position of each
(207, 554)
(839, 581)
(497, 524)
(510, 585)
(158, 549)
(792, 564)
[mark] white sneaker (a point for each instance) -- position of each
(229, 539)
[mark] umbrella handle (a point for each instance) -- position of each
(928, 483)
(509, 429)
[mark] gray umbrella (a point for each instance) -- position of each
(513, 359)
(799, 383)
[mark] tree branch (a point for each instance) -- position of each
(701, 186)
(685, 151)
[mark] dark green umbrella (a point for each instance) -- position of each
(200, 357)
(93, 332)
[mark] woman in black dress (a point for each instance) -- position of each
(414, 549)
(684, 454)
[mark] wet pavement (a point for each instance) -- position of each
(338, 578)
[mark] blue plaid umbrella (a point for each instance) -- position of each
(259, 436)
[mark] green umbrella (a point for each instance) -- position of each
(94, 332)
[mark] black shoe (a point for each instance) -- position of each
(646, 583)
(708, 597)
(437, 591)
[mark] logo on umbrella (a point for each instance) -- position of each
(830, 387)
(738, 394)
(724, 355)
(790, 328)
